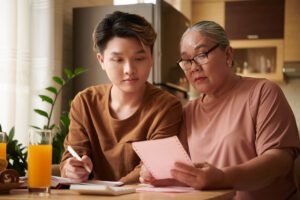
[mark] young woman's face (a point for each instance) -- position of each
(126, 63)
(207, 78)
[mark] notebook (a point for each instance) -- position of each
(159, 156)
(58, 182)
(101, 189)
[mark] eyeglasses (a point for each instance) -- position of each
(199, 59)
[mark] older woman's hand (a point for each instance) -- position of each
(146, 177)
(200, 176)
(76, 169)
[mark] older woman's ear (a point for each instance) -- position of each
(229, 56)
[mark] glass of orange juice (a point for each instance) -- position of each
(39, 160)
(3, 141)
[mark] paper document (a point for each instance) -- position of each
(101, 189)
(176, 189)
(159, 156)
(57, 180)
(107, 183)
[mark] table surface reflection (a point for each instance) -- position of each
(73, 195)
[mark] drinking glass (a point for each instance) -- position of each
(3, 141)
(39, 160)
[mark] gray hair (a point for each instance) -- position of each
(212, 30)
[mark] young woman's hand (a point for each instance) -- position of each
(77, 170)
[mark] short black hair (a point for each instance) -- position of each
(124, 25)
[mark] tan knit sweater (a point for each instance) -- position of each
(107, 141)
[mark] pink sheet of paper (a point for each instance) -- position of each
(173, 189)
(159, 156)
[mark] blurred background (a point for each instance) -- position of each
(39, 38)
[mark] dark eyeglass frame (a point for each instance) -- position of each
(193, 59)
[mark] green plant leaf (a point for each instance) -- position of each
(52, 126)
(58, 80)
(79, 70)
(16, 154)
(36, 127)
(46, 126)
(62, 127)
(41, 112)
(46, 98)
(52, 89)
(65, 120)
(11, 134)
(68, 73)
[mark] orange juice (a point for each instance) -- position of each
(3, 150)
(39, 165)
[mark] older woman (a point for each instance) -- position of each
(241, 132)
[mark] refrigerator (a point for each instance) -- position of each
(167, 22)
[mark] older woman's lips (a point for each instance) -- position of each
(199, 79)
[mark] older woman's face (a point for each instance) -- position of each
(207, 78)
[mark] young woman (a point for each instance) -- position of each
(105, 119)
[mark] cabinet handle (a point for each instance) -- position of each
(252, 36)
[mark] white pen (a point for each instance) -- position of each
(74, 154)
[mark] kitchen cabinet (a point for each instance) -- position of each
(254, 19)
(259, 58)
(208, 10)
(291, 31)
(256, 33)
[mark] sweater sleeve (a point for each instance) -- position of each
(77, 136)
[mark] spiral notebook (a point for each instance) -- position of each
(159, 156)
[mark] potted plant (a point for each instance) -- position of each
(61, 129)
(16, 153)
